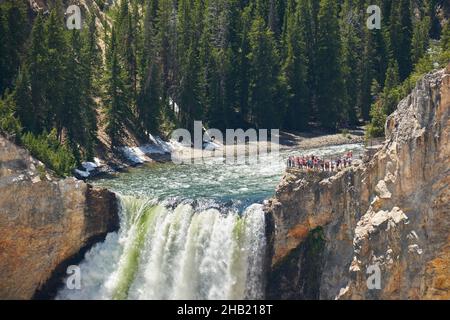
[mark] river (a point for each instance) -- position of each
(187, 231)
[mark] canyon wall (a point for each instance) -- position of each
(331, 236)
(45, 222)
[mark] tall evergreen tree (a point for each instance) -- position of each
(74, 96)
(188, 93)
(14, 31)
(351, 59)
(390, 96)
(243, 81)
(330, 88)
(116, 93)
(127, 33)
(167, 44)
(55, 68)
(309, 10)
(149, 103)
(401, 30)
(25, 109)
(36, 62)
(420, 39)
(267, 84)
(216, 52)
(295, 68)
(92, 60)
(374, 60)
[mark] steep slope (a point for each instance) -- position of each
(44, 222)
(389, 213)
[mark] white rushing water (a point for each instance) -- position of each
(202, 236)
(180, 253)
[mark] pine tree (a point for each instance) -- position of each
(91, 52)
(209, 77)
(127, 44)
(235, 118)
(92, 60)
(330, 88)
(392, 75)
(23, 102)
(55, 68)
(36, 62)
(216, 52)
(150, 41)
(351, 62)
(116, 98)
(9, 123)
(149, 103)
(167, 45)
(18, 28)
(368, 75)
(390, 95)
(267, 91)
(435, 23)
(374, 60)
(401, 36)
(420, 39)
(243, 70)
(378, 116)
(14, 31)
(309, 10)
(188, 93)
(74, 96)
(295, 68)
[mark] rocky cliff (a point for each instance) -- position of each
(386, 218)
(44, 223)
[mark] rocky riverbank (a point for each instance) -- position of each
(390, 213)
(45, 223)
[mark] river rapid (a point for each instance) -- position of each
(192, 231)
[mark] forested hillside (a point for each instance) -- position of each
(288, 64)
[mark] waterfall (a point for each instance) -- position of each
(176, 252)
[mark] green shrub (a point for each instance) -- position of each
(44, 147)
(41, 171)
(9, 124)
(47, 149)
(376, 127)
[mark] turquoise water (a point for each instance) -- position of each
(187, 232)
(213, 180)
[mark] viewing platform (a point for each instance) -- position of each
(324, 173)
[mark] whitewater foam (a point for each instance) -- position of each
(185, 252)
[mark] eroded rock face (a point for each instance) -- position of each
(44, 221)
(391, 213)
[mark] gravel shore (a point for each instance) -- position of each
(319, 139)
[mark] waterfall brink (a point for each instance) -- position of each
(176, 253)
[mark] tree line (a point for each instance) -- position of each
(283, 64)
(49, 84)
(289, 64)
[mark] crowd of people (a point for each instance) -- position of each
(317, 164)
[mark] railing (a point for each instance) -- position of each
(372, 147)
(323, 165)
(374, 142)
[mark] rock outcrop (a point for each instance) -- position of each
(385, 219)
(44, 222)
